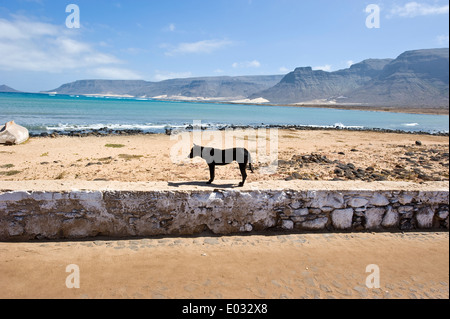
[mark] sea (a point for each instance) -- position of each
(44, 113)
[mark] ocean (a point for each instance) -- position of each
(41, 113)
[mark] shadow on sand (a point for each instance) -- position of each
(202, 184)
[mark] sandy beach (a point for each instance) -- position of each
(308, 155)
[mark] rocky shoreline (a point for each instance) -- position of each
(105, 131)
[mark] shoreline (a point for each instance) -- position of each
(169, 130)
(389, 109)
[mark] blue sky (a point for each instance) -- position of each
(157, 40)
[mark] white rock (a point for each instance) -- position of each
(378, 200)
(443, 214)
(391, 219)
(301, 212)
(342, 218)
(15, 229)
(14, 196)
(11, 134)
(327, 199)
(327, 209)
(357, 202)
(42, 196)
(374, 217)
(405, 199)
(287, 224)
(425, 218)
(315, 224)
(296, 205)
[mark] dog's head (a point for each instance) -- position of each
(195, 151)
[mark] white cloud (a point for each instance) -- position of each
(27, 45)
(415, 9)
(165, 75)
(442, 40)
(170, 28)
(350, 63)
(22, 29)
(326, 67)
(247, 64)
(205, 46)
(115, 74)
(284, 69)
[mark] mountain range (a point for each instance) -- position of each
(418, 78)
(7, 89)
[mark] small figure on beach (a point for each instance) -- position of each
(215, 157)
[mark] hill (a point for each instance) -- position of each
(7, 89)
(226, 88)
(417, 78)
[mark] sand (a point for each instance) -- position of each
(265, 266)
(148, 158)
(270, 266)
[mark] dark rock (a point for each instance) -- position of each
(91, 164)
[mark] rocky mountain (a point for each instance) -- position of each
(208, 87)
(415, 78)
(116, 87)
(305, 84)
(7, 89)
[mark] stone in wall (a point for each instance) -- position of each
(374, 217)
(391, 218)
(425, 218)
(342, 218)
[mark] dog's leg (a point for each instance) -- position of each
(242, 168)
(249, 160)
(212, 173)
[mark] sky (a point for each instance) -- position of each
(42, 47)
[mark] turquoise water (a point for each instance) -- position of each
(43, 113)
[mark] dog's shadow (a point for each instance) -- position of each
(202, 184)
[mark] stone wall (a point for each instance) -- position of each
(101, 210)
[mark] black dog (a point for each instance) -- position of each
(215, 157)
